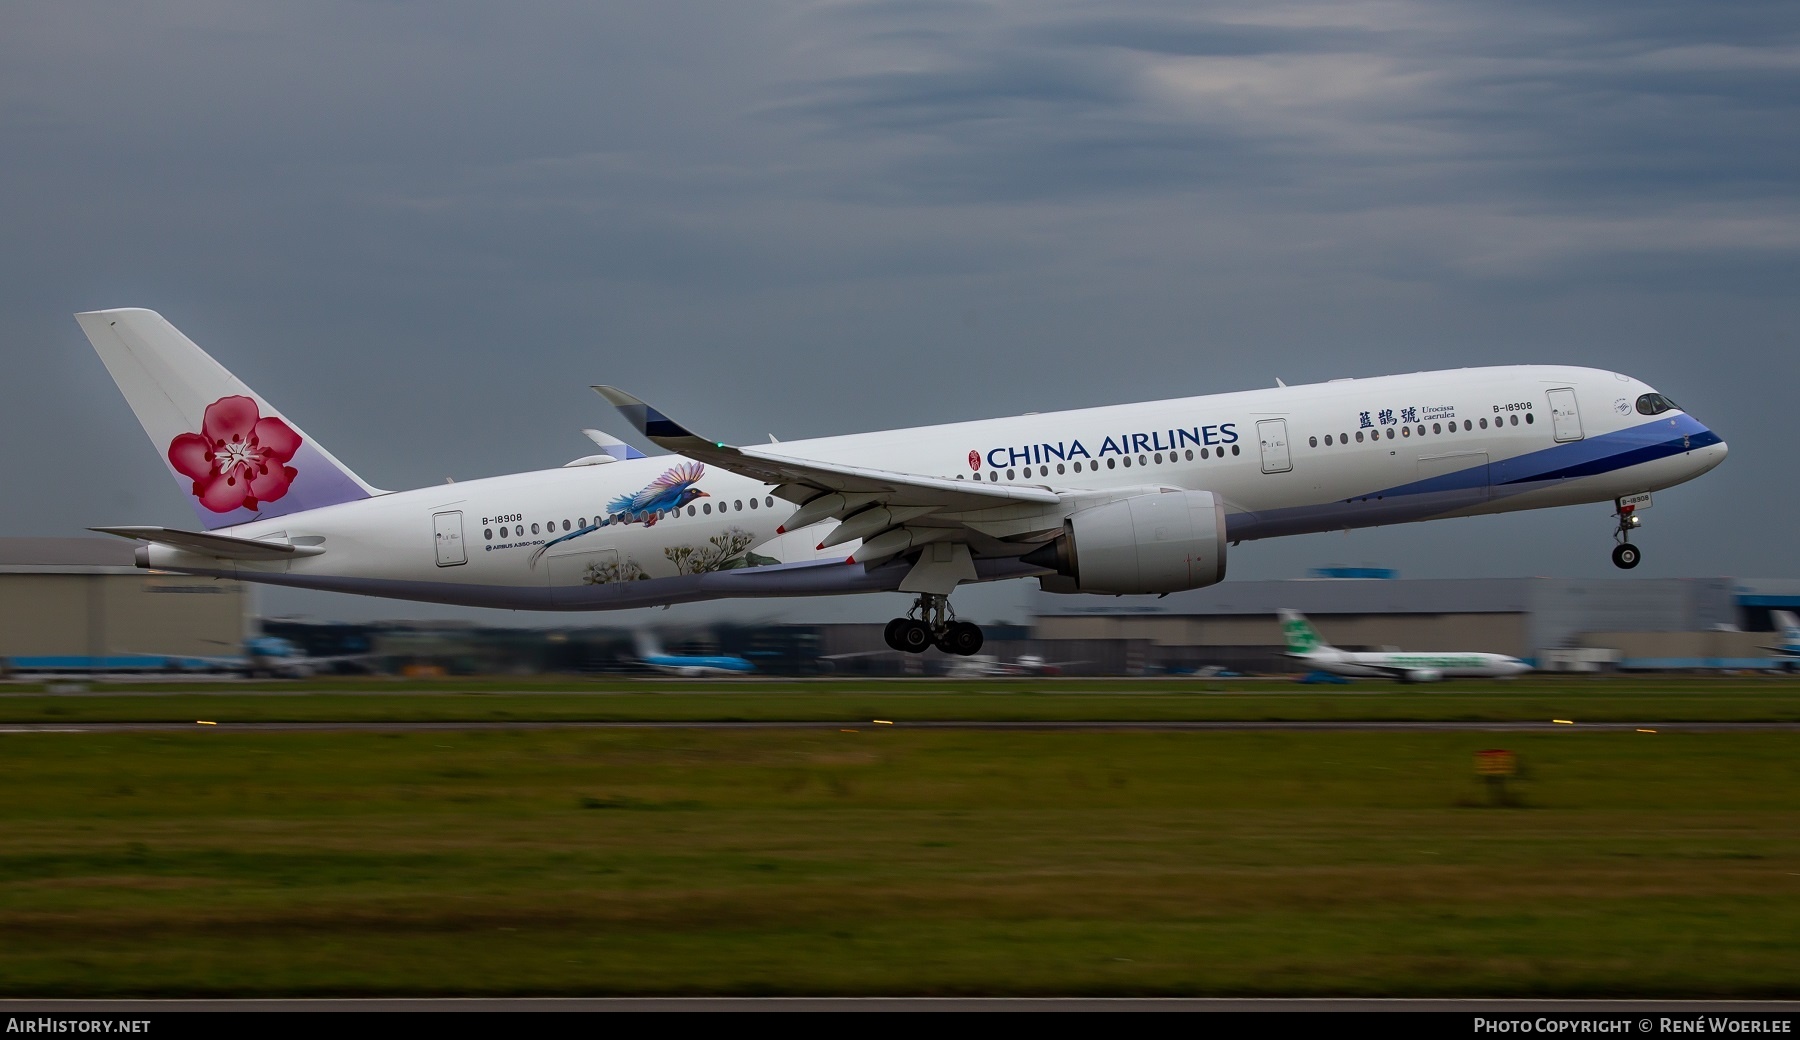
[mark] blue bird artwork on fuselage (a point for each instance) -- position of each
(662, 496)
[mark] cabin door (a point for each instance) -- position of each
(1271, 434)
(1565, 418)
(448, 533)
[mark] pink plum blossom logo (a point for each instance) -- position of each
(238, 459)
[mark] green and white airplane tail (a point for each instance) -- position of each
(1302, 638)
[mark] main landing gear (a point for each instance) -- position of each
(1625, 555)
(930, 623)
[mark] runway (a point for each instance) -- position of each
(1275, 726)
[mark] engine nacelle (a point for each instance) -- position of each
(1420, 675)
(1147, 544)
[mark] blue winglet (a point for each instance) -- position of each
(648, 421)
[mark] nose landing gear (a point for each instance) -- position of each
(930, 623)
(1625, 555)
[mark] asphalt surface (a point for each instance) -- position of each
(1633, 1008)
(1088, 726)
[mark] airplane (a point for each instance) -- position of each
(265, 655)
(1133, 499)
(1788, 653)
(262, 655)
(1305, 644)
(651, 654)
(986, 665)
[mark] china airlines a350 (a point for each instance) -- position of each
(1131, 499)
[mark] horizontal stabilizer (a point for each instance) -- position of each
(223, 546)
(613, 446)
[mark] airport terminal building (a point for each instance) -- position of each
(79, 604)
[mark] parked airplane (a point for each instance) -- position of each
(651, 654)
(1788, 653)
(266, 655)
(1131, 499)
(986, 665)
(1305, 644)
(262, 655)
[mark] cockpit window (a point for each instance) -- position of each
(1655, 404)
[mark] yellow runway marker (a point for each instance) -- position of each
(883, 722)
(1564, 722)
(203, 722)
(1646, 731)
(849, 731)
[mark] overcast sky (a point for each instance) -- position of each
(422, 230)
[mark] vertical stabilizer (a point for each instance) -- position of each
(1790, 629)
(648, 646)
(1302, 638)
(231, 452)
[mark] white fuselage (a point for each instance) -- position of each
(1401, 448)
(1400, 664)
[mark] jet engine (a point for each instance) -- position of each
(1422, 675)
(1145, 544)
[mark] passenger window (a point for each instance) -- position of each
(1359, 438)
(1515, 418)
(1142, 461)
(1312, 442)
(753, 503)
(1484, 422)
(769, 500)
(1435, 428)
(1467, 425)
(1159, 458)
(487, 533)
(1390, 433)
(534, 529)
(1406, 431)
(1059, 469)
(1204, 454)
(1235, 449)
(1530, 418)
(1010, 474)
(1112, 463)
(692, 510)
(706, 507)
(1189, 454)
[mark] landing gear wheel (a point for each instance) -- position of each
(1626, 556)
(892, 633)
(961, 638)
(913, 637)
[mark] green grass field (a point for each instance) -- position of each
(1760, 698)
(892, 861)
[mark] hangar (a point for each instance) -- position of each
(1575, 623)
(80, 604)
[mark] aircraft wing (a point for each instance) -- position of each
(892, 487)
(1785, 651)
(890, 512)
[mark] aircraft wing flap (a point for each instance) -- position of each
(223, 546)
